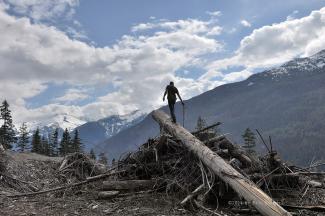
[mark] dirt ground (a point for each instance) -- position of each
(40, 172)
(85, 205)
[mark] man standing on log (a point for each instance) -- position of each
(171, 92)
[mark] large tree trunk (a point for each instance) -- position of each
(243, 186)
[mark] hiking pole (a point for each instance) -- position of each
(183, 113)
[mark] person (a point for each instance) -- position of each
(171, 92)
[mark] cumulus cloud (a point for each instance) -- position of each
(292, 15)
(275, 44)
(40, 10)
(191, 26)
(138, 66)
(245, 23)
(72, 95)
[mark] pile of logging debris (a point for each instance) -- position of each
(206, 170)
(202, 169)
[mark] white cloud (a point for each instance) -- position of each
(43, 9)
(216, 30)
(281, 42)
(139, 67)
(191, 26)
(275, 44)
(72, 95)
(245, 23)
(292, 16)
(236, 76)
(214, 13)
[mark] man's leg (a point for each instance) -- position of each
(171, 105)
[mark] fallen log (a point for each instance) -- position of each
(243, 186)
(133, 185)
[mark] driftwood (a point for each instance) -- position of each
(2, 149)
(132, 185)
(235, 152)
(88, 180)
(206, 209)
(192, 195)
(211, 142)
(80, 166)
(243, 186)
(315, 184)
(313, 208)
(206, 128)
(108, 194)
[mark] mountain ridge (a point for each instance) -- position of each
(282, 102)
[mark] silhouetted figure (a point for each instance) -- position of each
(171, 92)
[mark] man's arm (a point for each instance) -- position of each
(165, 94)
(180, 98)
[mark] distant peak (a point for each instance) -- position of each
(319, 54)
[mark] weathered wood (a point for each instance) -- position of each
(213, 140)
(88, 180)
(207, 128)
(243, 186)
(2, 149)
(235, 152)
(108, 194)
(319, 208)
(315, 184)
(192, 195)
(133, 185)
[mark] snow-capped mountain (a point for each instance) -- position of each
(286, 102)
(98, 131)
(299, 66)
(59, 121)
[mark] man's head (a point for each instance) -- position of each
(171, 83)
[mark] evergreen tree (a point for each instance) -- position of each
(7, 132)
(45, 149)
(54, 143)
(102, 158)
(92, 154)
(76, 142)
(65, 145)
(249, 138)
(113, 162)
(36, 142)
(200, 123)
(23, 138)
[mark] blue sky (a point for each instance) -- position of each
(94, 58)
(106, 21)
